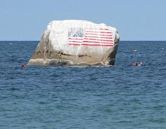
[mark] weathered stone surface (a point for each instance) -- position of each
(75, 42)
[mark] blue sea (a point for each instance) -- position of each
(62, 97)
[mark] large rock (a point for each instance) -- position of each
(76, 42)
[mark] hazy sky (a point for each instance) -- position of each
(134, 19)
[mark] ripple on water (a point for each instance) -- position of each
(84, 97)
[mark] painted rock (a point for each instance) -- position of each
(76, 42)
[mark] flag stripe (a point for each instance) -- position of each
(99, 37)
(91, 37)
(107, 32)
(98, 33)
(91, 42)
(85, 44)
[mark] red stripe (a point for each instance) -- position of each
(86, 44)
(96, 31)
(99, 34)
(92, 38)
(90, 33)
(90, 42)
(97, 42)
(107, 35)
(99, 39)
(75, 41)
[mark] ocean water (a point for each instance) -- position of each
(118, 97)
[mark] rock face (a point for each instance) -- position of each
(76, 42)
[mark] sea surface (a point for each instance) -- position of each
(61, 97)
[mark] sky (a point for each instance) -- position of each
(134, 19)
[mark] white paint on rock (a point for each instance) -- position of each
(58, 36)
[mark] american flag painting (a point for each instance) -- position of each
(90, 37)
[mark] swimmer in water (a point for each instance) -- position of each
(137, 63)
(23, 65)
